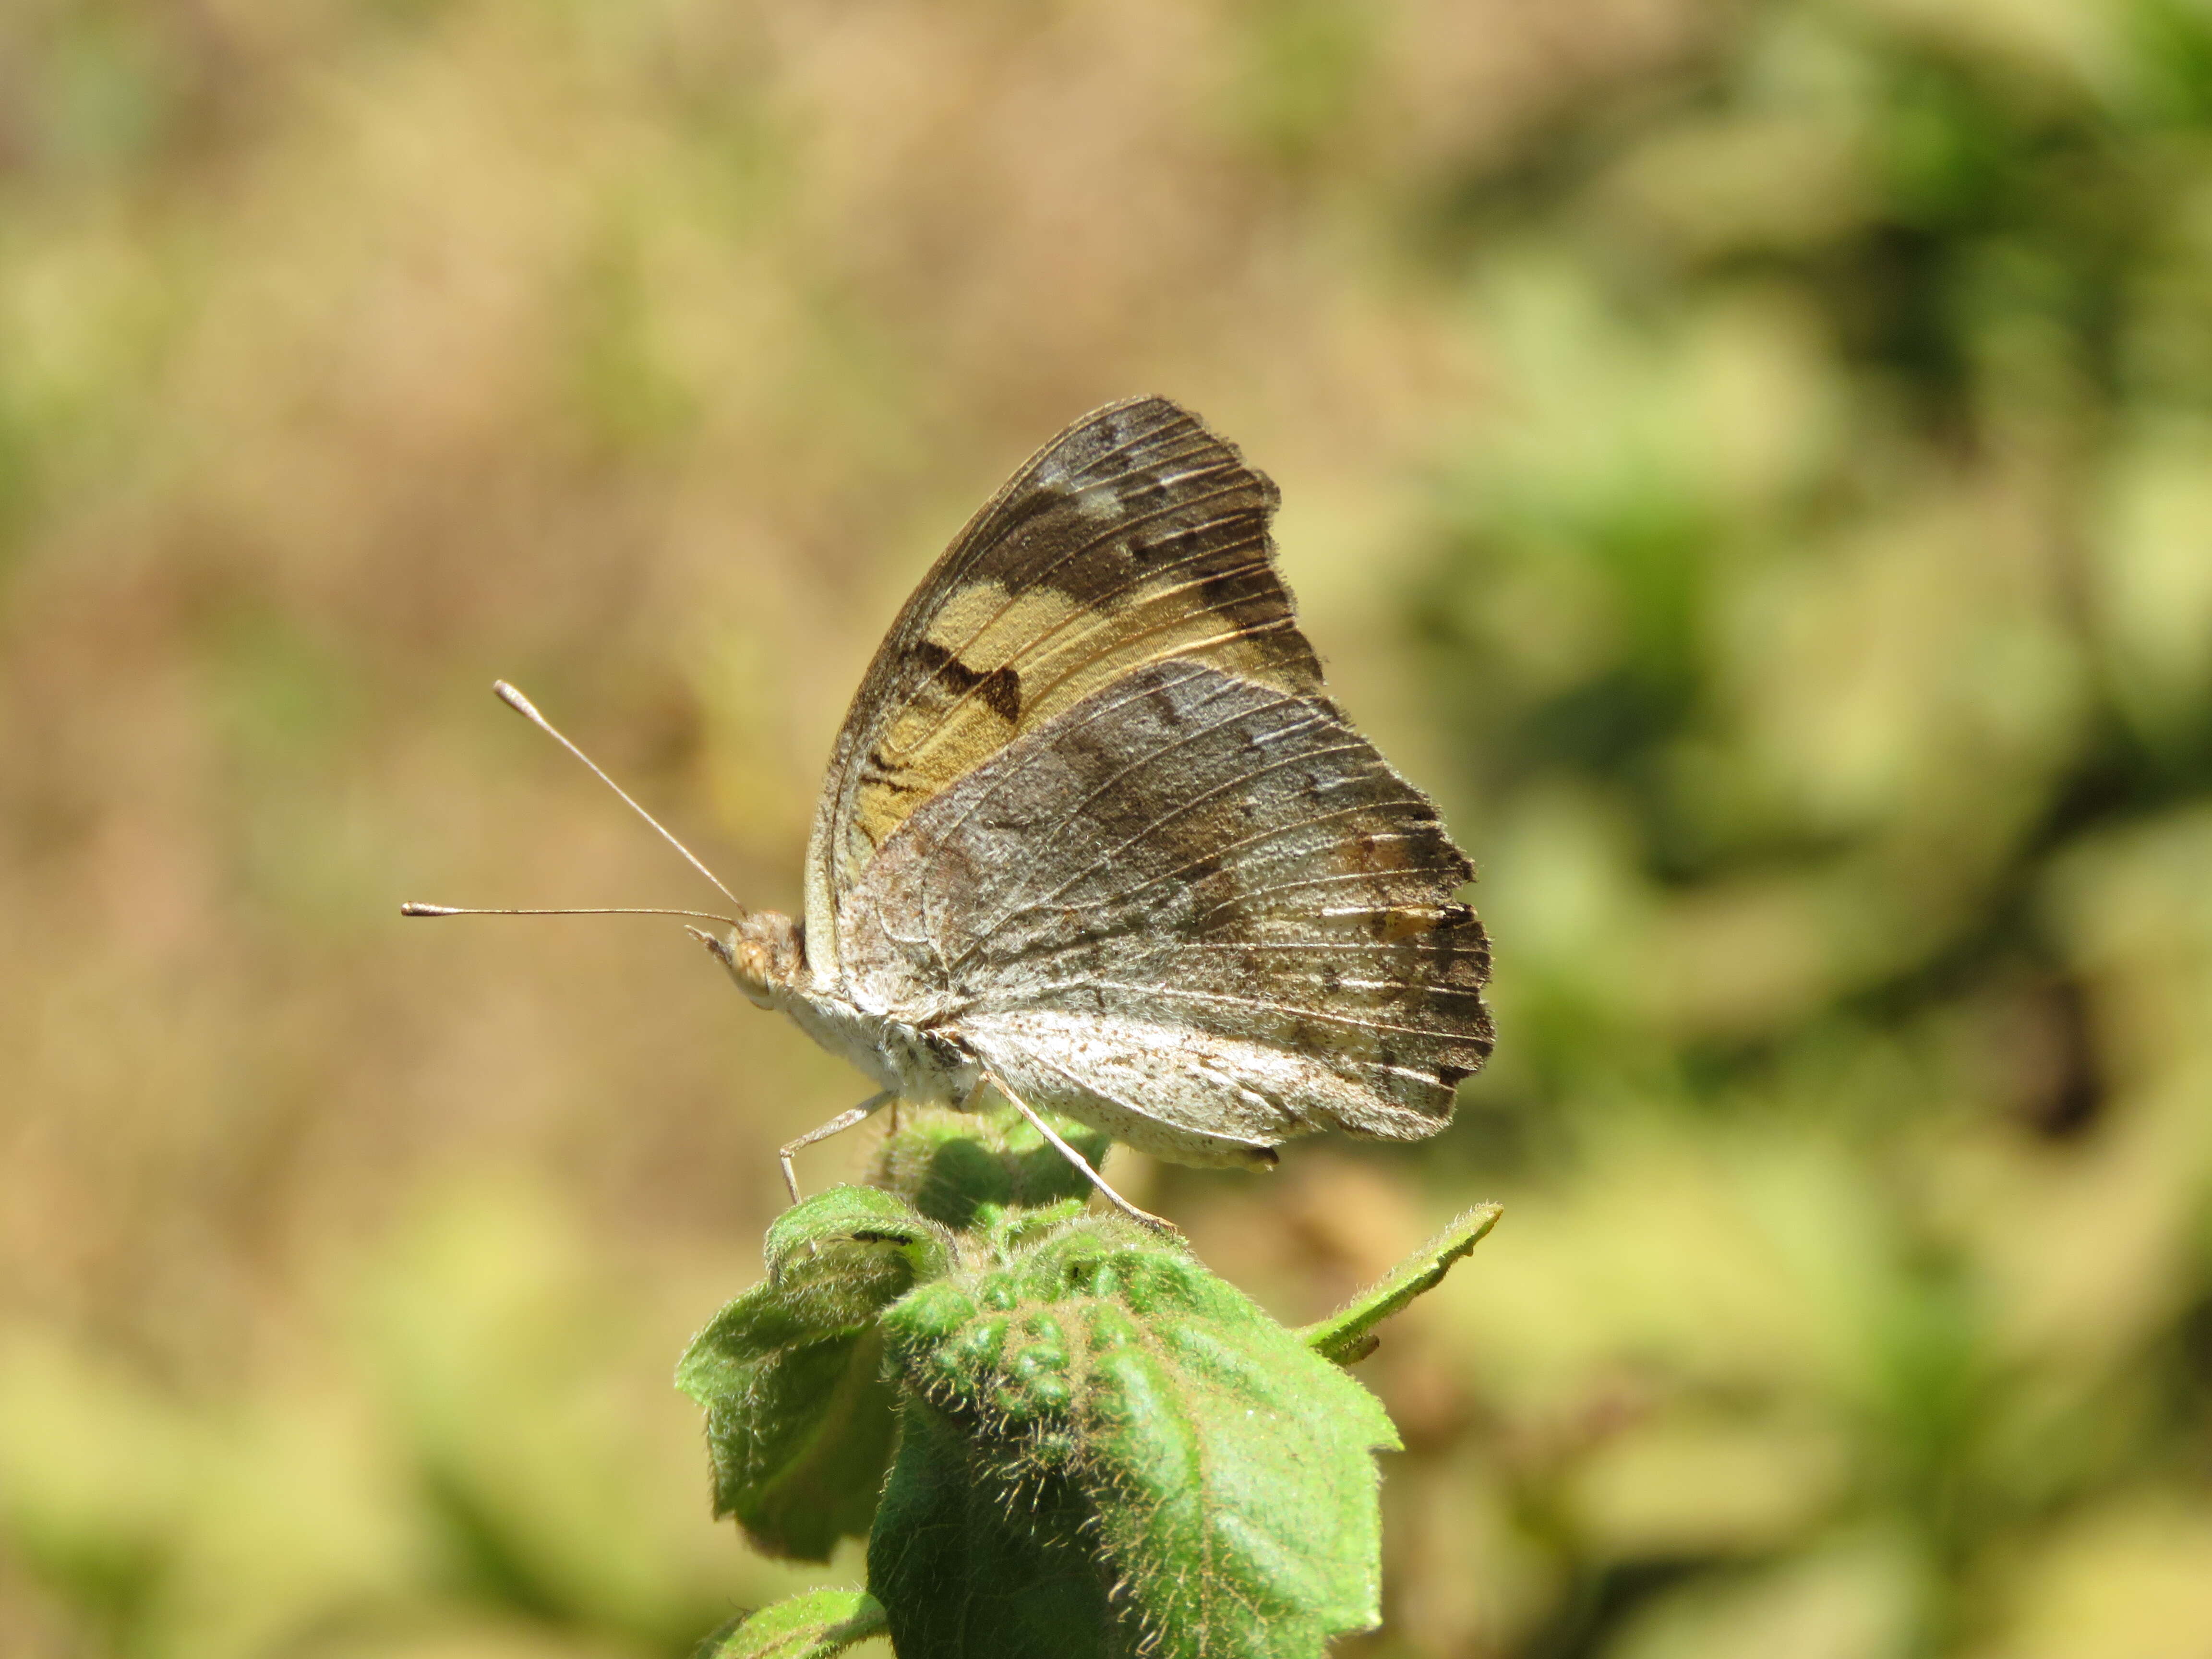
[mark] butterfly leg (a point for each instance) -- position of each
(835, 1126)
(1158, 1224)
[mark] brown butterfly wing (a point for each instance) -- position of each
(1200, 912)
(1134, 538)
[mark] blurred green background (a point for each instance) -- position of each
(1753, 462)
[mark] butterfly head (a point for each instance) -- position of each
(765, 953)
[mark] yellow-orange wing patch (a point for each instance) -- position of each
(1136, 537)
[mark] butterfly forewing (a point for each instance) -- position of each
(1136, 537)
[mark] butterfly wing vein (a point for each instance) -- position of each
(1092, 817)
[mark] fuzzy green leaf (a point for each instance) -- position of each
(952, 1164)
(862, 1216)
(974, 1562)
(1349, 1333)
(1225, 1471)
(799, 1419)
(818, 1625)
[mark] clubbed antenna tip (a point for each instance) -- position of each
(522, 705)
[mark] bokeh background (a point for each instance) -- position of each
(1752, 462)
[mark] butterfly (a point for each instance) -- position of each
(1094, 841)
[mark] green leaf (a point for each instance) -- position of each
(864, 1216)
(1348, 1334)
(973, 1561)
(817, 1624)
(1106, 1394)
(799, 1419)
(950, 1166)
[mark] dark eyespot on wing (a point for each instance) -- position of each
(1001, 691)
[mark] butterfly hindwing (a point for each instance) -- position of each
(1136, 537)
(1195, 909)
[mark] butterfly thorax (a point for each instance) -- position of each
(766, 955)
(913, 1062)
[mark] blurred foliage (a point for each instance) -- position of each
(1753, 461)
(1059, 1432)
(1825, 603)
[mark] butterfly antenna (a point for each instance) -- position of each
(522, 705)
(412, 908)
